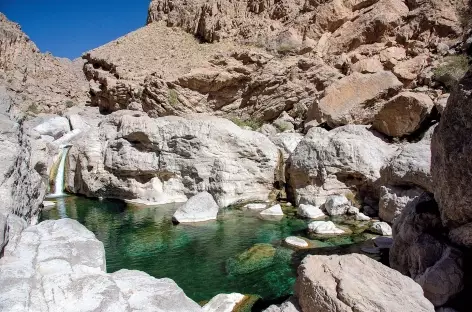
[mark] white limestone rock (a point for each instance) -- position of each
(255, 206)
(381, 228)
(337, 205)
(273, 211)
(60, 266)
(55, 127)
(199, 208)
(296, 242)
(223, 303)
(310, 212)
(324, 227)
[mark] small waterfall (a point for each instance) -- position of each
(59, 180)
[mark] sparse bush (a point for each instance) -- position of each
(355, 201)
(282, 127)
(33, 109)
(451, 70)
(69, 104)
(464, 12)
(251, 123)
(173, 97)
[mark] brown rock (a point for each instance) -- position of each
(368, 66)
(451, 165)
(420, 251)
(409, 70)
(355, 283)
(403, 114)
(355, 99)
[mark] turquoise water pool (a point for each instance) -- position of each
(203, 259)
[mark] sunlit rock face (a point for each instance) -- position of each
(169, 159)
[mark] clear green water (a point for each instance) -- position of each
(202, 259)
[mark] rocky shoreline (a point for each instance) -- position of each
(340, 108)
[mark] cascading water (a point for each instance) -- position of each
(59, 180)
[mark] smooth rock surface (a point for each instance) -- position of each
(403, 114)
(60, 266)
(337, 205)
(330, 162)
(223, 303)
(55, 127)
(324, 227)
(353, 99)
(381, 228)
(255, 206)
(273, 211)
(296, 242)
(199, 208)
(309, 211)
(165, 160)
(356, 283)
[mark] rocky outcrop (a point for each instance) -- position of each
(60, 266)
(421, 251)
(355, 99)
(40, 82)
(355, 283)
(170, 159)
(450, 162)
(394, 199)
(403, 114)
(23, 171)
(333, 162)
(411, 166)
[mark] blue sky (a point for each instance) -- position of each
(67, 28)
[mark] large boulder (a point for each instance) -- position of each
(404, 114)
(354, 99)
(451, 165)
(355, 283)
(411, 166)
(60, 266)
(331, 162)
(201, 207)
(394, 199)
(169, 159)
(421, 251)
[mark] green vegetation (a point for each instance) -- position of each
(69, 104)
(173, 97)
(251, 123)
(356, 202)
(282, 127)
(451, 70)
(464, 12)
(33, 109)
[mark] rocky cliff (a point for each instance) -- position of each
(40, 82)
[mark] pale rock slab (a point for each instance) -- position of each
(356, 283)
(296, 242)
(55, 127)
(394, 199)
(273, 211)
(310, 212)
(324, 227)
(223, 303)
(199, 208)
(381, 228)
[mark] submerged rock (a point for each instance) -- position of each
(356, 283)
(310, 212)
(201, 207)
(223, 303)
(257, 257)
(324, 227)
(255, 206)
